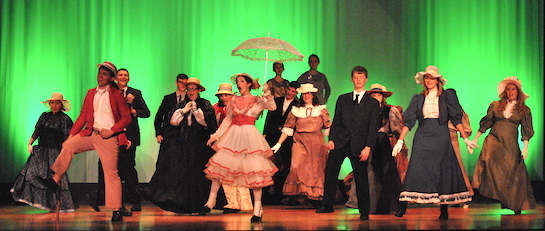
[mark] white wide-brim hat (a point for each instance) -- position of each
(255, 82)
(378, 88)
(225, 88)
(307, 87)
(511, 80)
(58, 96)
(431, 70)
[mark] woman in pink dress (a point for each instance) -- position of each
(242, 152)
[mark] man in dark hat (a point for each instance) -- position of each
(272, 130)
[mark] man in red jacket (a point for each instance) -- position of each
(100, 126)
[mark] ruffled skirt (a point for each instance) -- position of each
(242, 159)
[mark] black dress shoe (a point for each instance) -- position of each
(48, 182)
(325, 209)
(255, 219)
(93, 202)
(125, 212)
(400, 213)
(517, 212)
(228, 210)
(116, 216)
(136, 207)
(204, 211)
(364, 217)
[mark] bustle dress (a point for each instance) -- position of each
(51, 130)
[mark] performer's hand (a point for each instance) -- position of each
(397, 148)
(364, 154)
(159, 139)
(470, 145)
(30, 148)
(106, 133)
(331, 145)
(130, 98)
(187, 107)
(128, 144)
(276, 147)
(524, 152)
(212, 139)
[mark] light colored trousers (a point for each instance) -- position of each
(107, 150)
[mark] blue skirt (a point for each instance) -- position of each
(434, 175)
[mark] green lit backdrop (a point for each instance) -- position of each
(50, 46)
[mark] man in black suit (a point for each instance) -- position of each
(126, 159)
(273, 129)
(353, 134)
(163, 128)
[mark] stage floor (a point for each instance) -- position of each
(478, 216)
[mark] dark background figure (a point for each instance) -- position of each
(51, 131)
(318, 79)
(179, 184)
(353, 135)
(126, 159)
(274, 122)
(278, 85)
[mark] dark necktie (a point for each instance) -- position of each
(124, 92)
(356, 101)
(179, 98)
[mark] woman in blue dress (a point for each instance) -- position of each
(433, 175)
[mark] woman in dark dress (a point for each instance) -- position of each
(51, 131)
(500, 172)
(433, 175)
(180, 184)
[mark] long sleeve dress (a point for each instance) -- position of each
(242, 153)
(51, 130)
(309, 151)
(434, 175)
(179, 182)
(500, 172)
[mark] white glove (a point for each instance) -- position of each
(177, 117)
(525, 150)
(187, 107)
(276, 147)
(199, 117)
(30, 148)
(470, 145)
(397, 148)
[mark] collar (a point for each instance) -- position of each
(102, 91)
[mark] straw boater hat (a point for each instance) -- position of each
(377, 88)
(307, 87)
(58, 96)
(225, 88)
(255, 82)
(195, 81)
(511, 80)
(109, 65)
(433, 71)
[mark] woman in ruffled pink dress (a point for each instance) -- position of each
(242, 152)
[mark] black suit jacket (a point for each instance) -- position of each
(275, 120)
(138, 104)
(162, 118)
(356, 124)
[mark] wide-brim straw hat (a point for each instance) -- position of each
(225, 88)
(307, 87)
(511, 80)
(255, 82)
(195, 81)
(431, 70)
(58, 96)
(378, 88)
